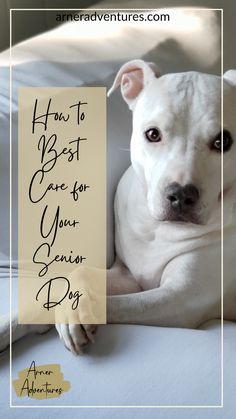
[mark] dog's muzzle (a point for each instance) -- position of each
(181, 202)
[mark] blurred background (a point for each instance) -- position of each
(28, 24)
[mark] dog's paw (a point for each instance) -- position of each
(76, 336)
(76, 326)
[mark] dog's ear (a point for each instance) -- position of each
(230, 76)
(132, 78)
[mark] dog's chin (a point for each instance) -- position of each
(167, 215)
(181, 218)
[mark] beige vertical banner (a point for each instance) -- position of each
(62, 205)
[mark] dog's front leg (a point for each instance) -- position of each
(163, 306)
(189, 294)
(119, 282)
(18, 330)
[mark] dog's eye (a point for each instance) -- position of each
(153, 135)
(223, 144)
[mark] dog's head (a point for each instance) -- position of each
(177, 141)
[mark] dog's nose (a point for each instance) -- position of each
(182, 198)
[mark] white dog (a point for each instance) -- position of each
(168, 205)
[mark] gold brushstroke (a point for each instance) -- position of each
(41, 382)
